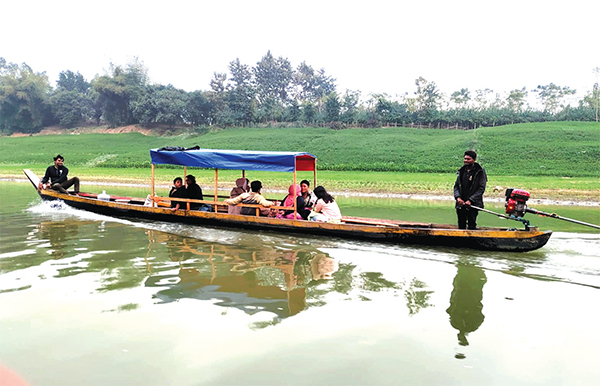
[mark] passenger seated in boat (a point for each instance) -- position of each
(242, 186)
(302, 213)
(177, 191)
(253, 198)
(308, 196)
(326, 209)
(193, 191)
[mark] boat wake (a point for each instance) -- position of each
(58, 211)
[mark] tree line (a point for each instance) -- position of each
(270, 92)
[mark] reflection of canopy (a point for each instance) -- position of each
(271, 161)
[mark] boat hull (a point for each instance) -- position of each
(491, 239)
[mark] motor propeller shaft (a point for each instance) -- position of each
(554, 215)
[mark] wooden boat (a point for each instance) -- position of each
(356, 228)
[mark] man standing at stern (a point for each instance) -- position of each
(468, 190)
(57, 175)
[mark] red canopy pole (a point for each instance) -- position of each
(315, 174)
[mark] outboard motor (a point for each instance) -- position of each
(516, 202)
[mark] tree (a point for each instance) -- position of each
(552, 96)
(217, 95)
(304, 82)
(270, 109)
(461, 98)
(69, 81)
(325, 84)
(241, 95)
(119, 90)
(273, 78)
(217, 83)
(23, 98)
(349, 107)
(427, 101)
(69, 107)
(482, 98)
(592, 99)
(161, 104)
(293, 113)
(312, 85)
(516, 99)
(170, 103)
(332, 107)
(199, 110)
(309, 112)
(384, 108)
(71, 101)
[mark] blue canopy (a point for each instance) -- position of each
(272, 161)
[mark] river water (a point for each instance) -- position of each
(94, 300)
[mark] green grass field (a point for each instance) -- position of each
(557, 159)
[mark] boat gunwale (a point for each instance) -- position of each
(432, 230)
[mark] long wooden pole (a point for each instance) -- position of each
(152, 178)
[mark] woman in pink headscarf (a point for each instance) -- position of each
(294, 192)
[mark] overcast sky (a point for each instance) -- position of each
(372, 46)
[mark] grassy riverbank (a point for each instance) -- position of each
(552, 188)
(553, 160)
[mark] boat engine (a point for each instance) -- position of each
(516, 202)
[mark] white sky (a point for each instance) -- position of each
(372, 46)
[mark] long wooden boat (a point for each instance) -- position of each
(355, 228)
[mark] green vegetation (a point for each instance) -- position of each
(561, 149)
(555, 159)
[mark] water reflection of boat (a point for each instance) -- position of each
(256, 276)
(59, 235)
(252, 279)
(356, 228)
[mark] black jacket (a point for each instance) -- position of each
(477, 188)
(178, 193)
(55, 175)
(194, 192)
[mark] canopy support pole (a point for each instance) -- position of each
(295, 201)
(187, 204)
(315, 176)
(152, 178)
(216, 184)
